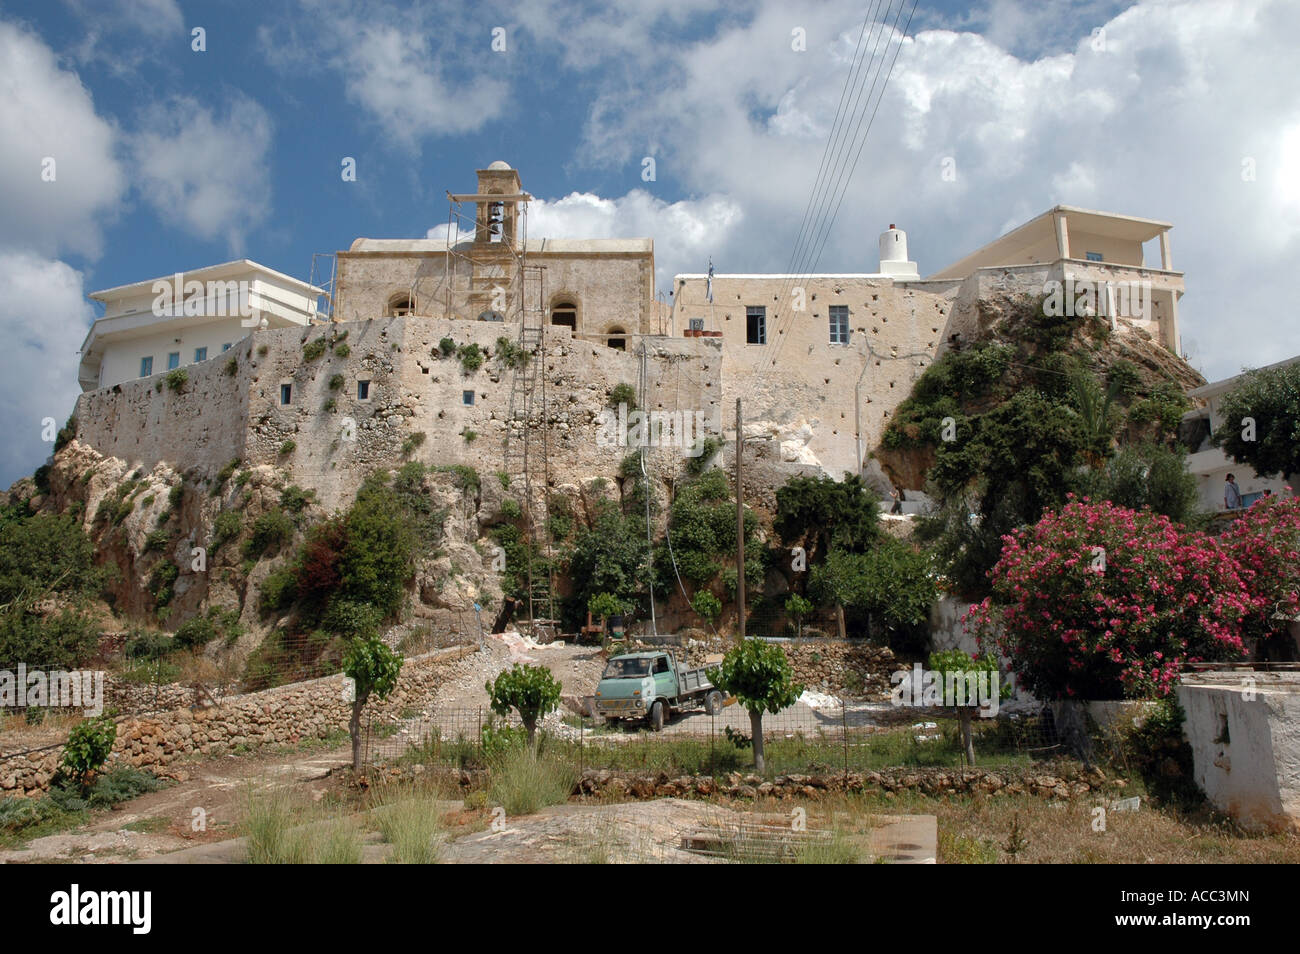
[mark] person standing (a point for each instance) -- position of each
(1231, 493)
(897, 494)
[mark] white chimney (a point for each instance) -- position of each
(893, 254)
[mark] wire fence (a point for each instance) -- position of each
(843, 738)
(152, 682)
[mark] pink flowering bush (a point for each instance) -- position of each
(1265, 542)
(1100, 602)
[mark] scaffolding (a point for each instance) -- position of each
(320, 263)
(487, 277)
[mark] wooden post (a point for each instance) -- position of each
(740, 529)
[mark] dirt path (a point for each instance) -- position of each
(164, 821)
(577, 668)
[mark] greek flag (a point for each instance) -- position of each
(708, 292)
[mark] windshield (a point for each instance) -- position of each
(627, 668)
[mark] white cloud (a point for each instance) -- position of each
(695, 228)
(119, 36)
(46, 113)
(153, 18)
(393, 74)
(205, 172)
(1154, 117)
(43, 320)
(427, 71)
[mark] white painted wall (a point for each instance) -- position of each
(1245, 740)
(122, 359)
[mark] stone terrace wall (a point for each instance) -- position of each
(284, 715)
(853, 667)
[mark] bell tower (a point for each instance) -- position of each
(496, 221)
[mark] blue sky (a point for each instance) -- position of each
(170, 158)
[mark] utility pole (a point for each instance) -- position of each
(740, 529)
(645, 474)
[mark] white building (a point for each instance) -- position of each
(154, 326)
(1210, 464)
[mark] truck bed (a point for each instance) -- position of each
(691, 681)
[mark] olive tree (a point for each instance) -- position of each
(530, 690)
(759, 675)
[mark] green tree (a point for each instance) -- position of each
(894, 582)
(603, 606)
(825, 513)
(1145, 476)
(707, 605)
(88, 747)
(961, 692)
(46, 557)
(1097, 413)
(530, 690)
(760, 676)
(797, 608)
(374, 668)
(378, 556)
(607, 557)
(1003, 470)
(1261, 421)
(46, 553)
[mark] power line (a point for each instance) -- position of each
(826, 151)
(846, 144)
(842, 183)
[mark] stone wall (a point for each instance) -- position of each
(328, 438)
(826, 404)
(1072, 782)
(851, 667)
(610, 289)
(203, 425)
(280, 716)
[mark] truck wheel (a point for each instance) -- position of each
(713, 702)
(657, 716)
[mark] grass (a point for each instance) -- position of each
(839, 848)
(978, 830)
(282, 831)
(63, 808)
(409, 820)
(523, 782)
(626, 750)
(148, 826)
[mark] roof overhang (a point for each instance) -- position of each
(1206, 391)
(1005, 248)
(241, 266)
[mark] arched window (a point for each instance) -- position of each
(400, 305)
(616, 339)
(565, 313)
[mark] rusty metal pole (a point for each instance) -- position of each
(740, 530)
